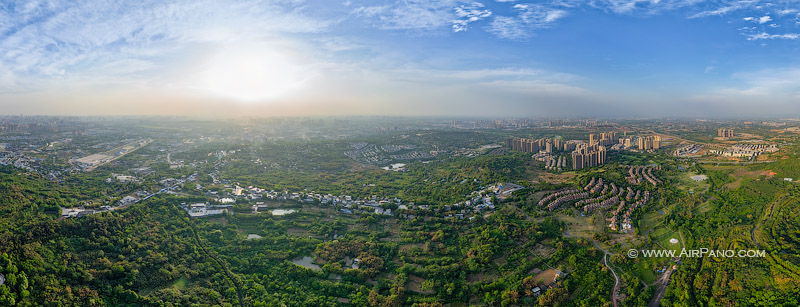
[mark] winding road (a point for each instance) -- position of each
(605, 262)
(616, 279)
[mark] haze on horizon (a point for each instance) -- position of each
(435, 58)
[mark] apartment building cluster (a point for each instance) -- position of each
(652, 142)
(551, 162)
(642, 143)
(595, 152)
(603, 139)
(588, 155)
(540, 145)
(583, 155)
(725, 133)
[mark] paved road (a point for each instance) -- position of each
(656, 301)
(616, 279)
(665, 279)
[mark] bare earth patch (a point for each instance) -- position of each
(543, 251)
(415, 284)
(740, 174)
(500, 261)
(555, 178)
(481, 276)
(545, 278)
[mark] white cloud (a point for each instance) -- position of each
(554, 15)
(760, 20)
(650, 7)
(412, 14)
(529, 18)
(370, 11)
(757, 91)
(718, 11)
(625, 6)
(765, 35)
(459, 14)
(89, 42)
(508, 28)
(468, 14)
(787, 12)
(536, 87)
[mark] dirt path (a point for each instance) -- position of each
(757, 224)
(662, 288)
(680, 233)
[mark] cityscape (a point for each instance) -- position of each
(248, 153)
(352, 207)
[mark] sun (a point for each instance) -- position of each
(252, 73)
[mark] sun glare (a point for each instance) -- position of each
(252, 74)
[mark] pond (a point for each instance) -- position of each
(307, 262)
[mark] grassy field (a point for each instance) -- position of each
(580, 226)
(652, 225)
(686, 183)
(661, 237)
(181, 283)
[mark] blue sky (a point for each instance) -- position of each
(457, 58)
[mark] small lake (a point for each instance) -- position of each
(699, 177)
(307, 262)
(282, 211)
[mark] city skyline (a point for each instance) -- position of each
(443, 58)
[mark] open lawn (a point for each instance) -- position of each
(181, 283)
(579, 226)
(686, 183)
(661, 237)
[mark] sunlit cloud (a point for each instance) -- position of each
(364, 56)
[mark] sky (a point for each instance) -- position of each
(488, 58)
